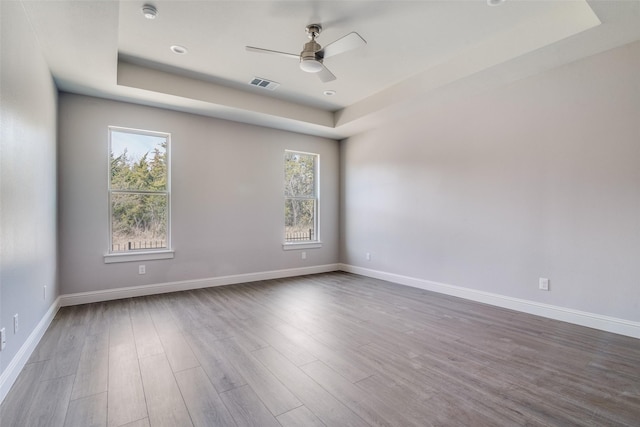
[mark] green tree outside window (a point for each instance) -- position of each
(138, 190)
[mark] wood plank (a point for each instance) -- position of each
(318, 400)
(202, 399)
(93, 368)
(144, 332)
(346, 362)
(99, 320)
(120, 329)
(299, 416)
(295, 353)
(177, 350)
(163, 319)
(373, 410)
(90, 411)
(126, 400)
(400, 394)
(47, 345)
(15, 407)
(66, 355)
(458, 389)
(247, 409)
(219, 369)
(50, 401)
(164, 401)
(139, 423)
(275, 396)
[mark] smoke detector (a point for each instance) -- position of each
(149, 11)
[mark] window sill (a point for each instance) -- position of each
(138, 256)
(299, 246)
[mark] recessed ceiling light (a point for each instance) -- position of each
(329, 92)
(495, 2)
(149, 11)
(180, 50)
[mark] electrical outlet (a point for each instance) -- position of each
(368, 256)
(3, 339)
(543, 284)
(303, 255)
(15, 323)
(44, 292)
(142, 269)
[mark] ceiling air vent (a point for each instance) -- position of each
(263, 83)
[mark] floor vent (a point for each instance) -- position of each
(263, 83)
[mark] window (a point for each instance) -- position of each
(138, 191)
(300, 197)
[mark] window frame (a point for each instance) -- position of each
(112, 256)
(305, 244)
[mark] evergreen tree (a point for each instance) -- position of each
(138, 214)
(300, 185)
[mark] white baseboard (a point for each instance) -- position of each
(591, 320)
(185, 285)
(10, 374)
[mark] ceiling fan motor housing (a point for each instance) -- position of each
(309, 60)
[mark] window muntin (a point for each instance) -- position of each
(300, 197)
(139, 196)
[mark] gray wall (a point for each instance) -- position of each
(537, 179)
(28, 244)
(227, 196)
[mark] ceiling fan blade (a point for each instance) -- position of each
(349, 42)
(273, 52)
(325, 75)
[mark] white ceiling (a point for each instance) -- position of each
(417, 52)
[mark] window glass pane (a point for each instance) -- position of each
(299, 175)
(139, 221)
(299, 220)
(138, 162)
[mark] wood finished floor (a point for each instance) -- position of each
(333, 349)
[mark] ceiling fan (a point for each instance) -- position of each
(312, 56)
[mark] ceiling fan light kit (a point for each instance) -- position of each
(310, 65)
(312, 56)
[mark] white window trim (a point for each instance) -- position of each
(300, 246)
(312, 244)
(138, 256)
(148, 254)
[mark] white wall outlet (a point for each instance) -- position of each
(3, 339)
(142, 269)
(44, 292)
(543, 284)
(303, 255)
(368, 256)
(16, 325)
